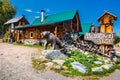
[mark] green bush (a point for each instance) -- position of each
(118, 61)
(6, 35)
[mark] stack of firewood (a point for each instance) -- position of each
(76, 41)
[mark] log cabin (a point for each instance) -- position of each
(12, 23)
(55, 23)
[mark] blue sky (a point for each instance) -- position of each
(89, 10)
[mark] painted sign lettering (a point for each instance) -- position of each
(100, 38)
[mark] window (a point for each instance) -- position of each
(31, 34)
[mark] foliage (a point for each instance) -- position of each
(38, 64)
(118, 61)
(116, 39)
(117, 45)
(87, 60)
(7, 11)
(6, 35)
(27, 45)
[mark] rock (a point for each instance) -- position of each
(1, 54)
(86, 53)
(58, 67)
(49, 65)
(17, 57)
(65, 67)
(97, 62)
(107, 60)
(107, 66)
(53, 54)
(80, 67)
(99, 59)
(69, 53)
(60, 62)
(31, 42)
(97, 69)
(115, 59)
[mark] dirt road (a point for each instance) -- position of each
(15, 64)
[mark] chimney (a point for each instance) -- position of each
(42, 15)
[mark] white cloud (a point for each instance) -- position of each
(37, 16)
(37, 12)
(28, 10)
(47, 10)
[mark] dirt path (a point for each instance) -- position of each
(15, 64)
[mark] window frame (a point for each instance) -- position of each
(31, 32)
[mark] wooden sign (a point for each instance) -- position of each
(100, 38)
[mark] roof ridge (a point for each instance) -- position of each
(105, 13)
(63, 12)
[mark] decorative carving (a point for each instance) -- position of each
(50, 38)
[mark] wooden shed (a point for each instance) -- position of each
(106, 21)
(12, 23)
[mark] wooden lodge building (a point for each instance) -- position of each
(55, 23)
(21, 30)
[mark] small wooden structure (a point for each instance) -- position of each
(106, 21)
(12, 23)
(103, 36)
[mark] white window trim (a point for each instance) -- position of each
(30, 34)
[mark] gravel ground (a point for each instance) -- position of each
(15, 64)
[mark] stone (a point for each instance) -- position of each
(53, 54)
(64, 67)
(49, 65)
(1, 54)
(58, 67)
(98, 62)
(31, 42)
(80, 67)
(60, 62)
(99, 59)
(106, 60)
(115, 59)
(107, 66)
(97, 69)
(86, 53)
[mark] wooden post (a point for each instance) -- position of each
(77, 23)
(18, 35)
(23, 35)
(9, 33)
(71, 26)
(56, 30)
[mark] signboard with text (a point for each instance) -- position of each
(100, 38)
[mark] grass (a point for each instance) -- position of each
(38, 64)
(33, 46)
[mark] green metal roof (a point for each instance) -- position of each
(55, 18)
(85, 28)
(51, 19)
